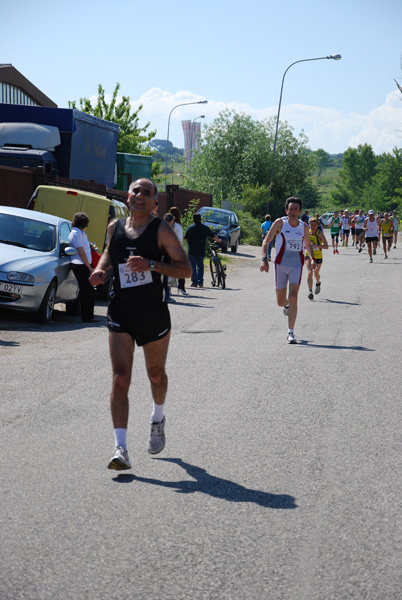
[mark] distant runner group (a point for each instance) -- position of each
(364, 229)
(300, 239)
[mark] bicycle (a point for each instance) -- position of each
(218, 274)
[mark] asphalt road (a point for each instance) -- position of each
(282, 473)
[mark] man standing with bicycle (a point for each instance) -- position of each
(292, 237)
(196, 237)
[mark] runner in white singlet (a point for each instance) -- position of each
(371, 226)
(292, 236)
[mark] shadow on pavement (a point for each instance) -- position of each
(341, 302)
(333, 347)
(3, 343)
(213, 486)
(60, 321)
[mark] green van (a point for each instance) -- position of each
(65, 202)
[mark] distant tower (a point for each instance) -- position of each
(192, 134)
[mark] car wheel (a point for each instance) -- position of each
(235, 247)
(74, 306)
(45, 311)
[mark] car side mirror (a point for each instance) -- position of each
(69, 251)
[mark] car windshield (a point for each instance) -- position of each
(213, 216)
(27, 233)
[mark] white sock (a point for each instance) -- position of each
(120, 436)
(290, 330)
(157, 413)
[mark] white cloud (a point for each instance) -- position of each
(382, 127)
(328, 128)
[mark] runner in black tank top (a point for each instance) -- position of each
(121, 247)
(143, 252)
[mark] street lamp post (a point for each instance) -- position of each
(333, 57)
(167, 139)
(191, 136)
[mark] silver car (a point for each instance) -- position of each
(35, 266)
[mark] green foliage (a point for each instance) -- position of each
(254, 200)
(322, 160)
(236, 155)
(309, 194)
(358, 168)
(382, 192)
(133, 139)
(250, 228)
(187, 217)
(158, 146)
(368, 181)
(156, 172)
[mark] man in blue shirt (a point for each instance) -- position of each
(265, 227)
(196, 237)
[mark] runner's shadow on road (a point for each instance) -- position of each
(3, 343)
(331, 347)
(190, 305)
(216, 487)
(340, 302)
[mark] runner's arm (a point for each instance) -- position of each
(168, 242)
(274, 230)
(98, 276)
(322, 237)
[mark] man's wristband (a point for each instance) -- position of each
(264, 258)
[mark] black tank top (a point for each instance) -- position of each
(146, 245)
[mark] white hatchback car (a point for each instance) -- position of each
(35, 266)
(326, 217)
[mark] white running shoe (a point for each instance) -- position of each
(286, 310)
(157, 438)
(119, 460)
(291, 338)
(311, 296)
(317, 288)
(182, 292)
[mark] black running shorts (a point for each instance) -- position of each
(145, 324)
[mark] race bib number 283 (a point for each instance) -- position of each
(129, 278)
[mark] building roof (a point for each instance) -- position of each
(10, 75)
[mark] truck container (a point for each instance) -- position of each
(87, 146)
(131, 167)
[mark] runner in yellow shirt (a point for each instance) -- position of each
(318, 243)
(387, 233)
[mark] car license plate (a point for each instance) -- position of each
(12, 288)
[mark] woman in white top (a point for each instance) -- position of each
(81, 265)
(179, 232)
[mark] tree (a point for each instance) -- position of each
(236, 154)
(382, 192)
(358, 169)
(322, 159)
(133, 139)
(368, 181)
(254, 200)
(309, 194)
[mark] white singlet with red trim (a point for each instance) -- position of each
(289, 245)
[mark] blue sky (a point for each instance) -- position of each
(232, 53)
